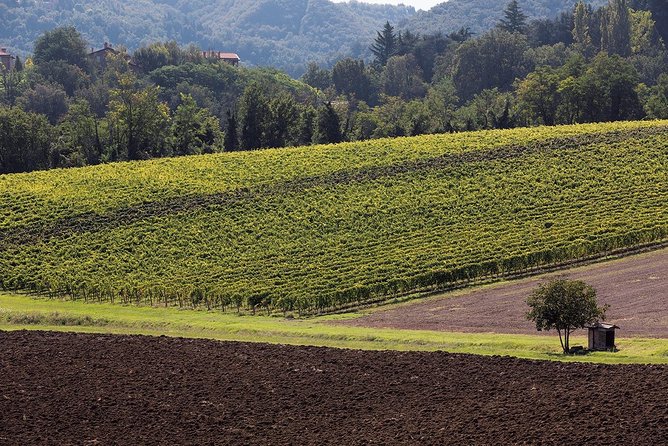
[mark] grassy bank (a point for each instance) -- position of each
(18, 312)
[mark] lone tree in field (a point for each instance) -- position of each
(564, 305)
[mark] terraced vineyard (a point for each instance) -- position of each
(316, 228)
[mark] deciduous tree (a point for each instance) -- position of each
(328, 125)
(564, 305)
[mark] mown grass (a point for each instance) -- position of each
(19, 312)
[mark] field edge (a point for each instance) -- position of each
(18, 312)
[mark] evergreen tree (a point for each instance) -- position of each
(514, 21)
(18, 65)
(385, 45)
(328, 126)
(253, 116)
(231, 140)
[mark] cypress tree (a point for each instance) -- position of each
(253, 111)
(231, 140)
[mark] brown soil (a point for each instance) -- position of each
(101, 390)
(636, 288)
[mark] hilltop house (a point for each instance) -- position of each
(6, 59)
(100, 56)
(230, 58)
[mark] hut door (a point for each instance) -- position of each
(610, 339)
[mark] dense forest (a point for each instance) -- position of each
(482, 15)
(62, 108)
(285, 34)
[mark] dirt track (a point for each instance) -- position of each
(636, 288)
(99, 390)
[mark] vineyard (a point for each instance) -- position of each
(318, 228)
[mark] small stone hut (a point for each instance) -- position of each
(602, 336)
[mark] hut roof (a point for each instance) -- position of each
(604, 326)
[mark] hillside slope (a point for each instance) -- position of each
(281, 33)
(481, 15)
(314, 228)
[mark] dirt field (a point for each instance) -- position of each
(636, 288)
(101, 390)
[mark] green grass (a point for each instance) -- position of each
(18, 312)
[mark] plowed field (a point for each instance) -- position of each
(98, 389)
(636, 288)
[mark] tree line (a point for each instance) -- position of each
(60, 108)
(586, 65)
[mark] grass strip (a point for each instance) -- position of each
(20, 312)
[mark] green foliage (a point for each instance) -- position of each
(402, 77)
(564, 305)
(78, 142)
(616, 28)
(138, 121)
(70, 77)
(494, 60)
(231, 141)
(539, 93)
(385, 45)
(659, 10)
(283, 112)
(317, 77)
(253, 117)
(608, 90)
(328, 125)
(159, 54)
(194, 130)
(482, 15)
(63, 44)
(24, 141)
(581, 29)
(350, 78)
(514, 21)
(48, 100)
(657, 104)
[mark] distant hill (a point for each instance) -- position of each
(481, 15)
(280, 33)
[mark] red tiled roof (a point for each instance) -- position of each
(220, 55)
(3, 52)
